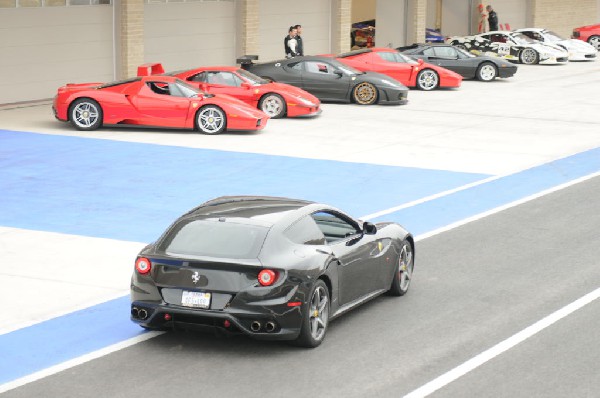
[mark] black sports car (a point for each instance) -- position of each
(271, 268)
(330, 80)
(467, 65)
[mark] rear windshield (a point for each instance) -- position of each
(214, 239)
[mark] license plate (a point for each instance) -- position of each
(195, 299)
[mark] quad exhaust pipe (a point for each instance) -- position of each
(255, 326)
(139, 313)
(270, 326)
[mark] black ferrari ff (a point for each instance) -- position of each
(467, 65)
(271, 268)
(330, 80)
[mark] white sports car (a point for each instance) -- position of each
(578, 50)
(513, 46)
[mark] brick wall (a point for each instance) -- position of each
(249, 23)
(419, 20)
(131, 15)
(562, 16)
(340, 25)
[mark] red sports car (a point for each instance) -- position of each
(407, 71)
(590, 33)
(164, 101)
(275, 99)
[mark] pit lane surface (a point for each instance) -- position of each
(493, 138)
(477, 285)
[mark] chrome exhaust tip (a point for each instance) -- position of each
(270, 326)
(134, 312)
(255, 326)
(142, 313)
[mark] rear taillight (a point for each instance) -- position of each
(143, 265)
(267, 277)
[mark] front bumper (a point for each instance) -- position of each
(507, 71)
(392, 96)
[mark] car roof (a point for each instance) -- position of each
(260, 210)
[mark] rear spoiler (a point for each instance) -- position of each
(246, 60)
(404, 48)
(150, 69)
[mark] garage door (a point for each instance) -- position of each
(190, 34)
(277, 16)
(40, 51)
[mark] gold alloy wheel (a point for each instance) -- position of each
(365, 93)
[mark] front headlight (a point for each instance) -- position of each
(306, 102)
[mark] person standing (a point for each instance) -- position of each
(492, 18)
(290, 43)
(300, 46)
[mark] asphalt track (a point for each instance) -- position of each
(476, 284)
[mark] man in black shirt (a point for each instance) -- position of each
(492, 18)
(300, 47)
(290, 43)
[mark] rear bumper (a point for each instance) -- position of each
(263, 323)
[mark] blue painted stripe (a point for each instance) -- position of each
(131, 191)
(452, 208)
(58, 340)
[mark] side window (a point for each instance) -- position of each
(429, 52)
(306, 232)
(200, 77)
(223, 79)
(446, 52)
(297, 66)
(319, 67)
(159, 88)
(387, 56)
(334, 227)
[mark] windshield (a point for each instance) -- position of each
(551, 36)
(222, 239)
(520, 38)
(119, 82)
(464, 52)
(252, 78)
(187, 90)
(348, 69)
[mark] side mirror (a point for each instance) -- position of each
(420, 61)
(369, 228)
(246, 85)
(204, 87)
(338, 72)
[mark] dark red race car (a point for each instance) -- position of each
(407, 71)
(163, 101)
(275, 99)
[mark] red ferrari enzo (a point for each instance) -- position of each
(407, 71)
(163, 101)
(275, 99)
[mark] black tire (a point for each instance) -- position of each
(427, 80)
(273, 105)
(486, 72)
(316, 317)
(364, 93)
(594, 41)
(529, 56)
(211, 120)
(404, 270)
(86, 114)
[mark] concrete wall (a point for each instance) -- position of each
(44, 48)
(562, 16)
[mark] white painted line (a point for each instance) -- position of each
(77, 361)
(429, 198)
(506, 206)
(501, 347)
